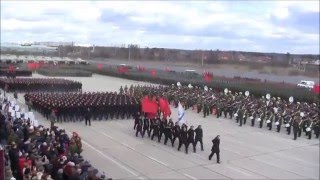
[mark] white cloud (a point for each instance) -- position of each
(231, 26)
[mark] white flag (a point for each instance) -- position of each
(181, 119)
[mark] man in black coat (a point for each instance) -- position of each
(191, 138)
(183, 138)
(176, 133)
(139, 127)
(199, 135)
(146, 127)
(295, 126)
(168, 133)
(136, 120)
(215, 148)
(88, 117)
(155, 128)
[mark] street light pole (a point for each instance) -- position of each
(129, 53)
(201, 57)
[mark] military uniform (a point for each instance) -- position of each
(199, 136)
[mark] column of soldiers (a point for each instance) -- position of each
(39, 84)
(156, 128)
(78, 106)
(274, 113)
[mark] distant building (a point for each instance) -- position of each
(225, 56)
(263, 59)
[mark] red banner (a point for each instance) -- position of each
(164, 107)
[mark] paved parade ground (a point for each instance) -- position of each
(246, 152)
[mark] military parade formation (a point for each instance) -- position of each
(271, 112)
(39, 84)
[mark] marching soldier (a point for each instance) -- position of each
(139, 127)
(269, 120)
(136, 120)
(309, 123)
(183, 139)
(295, 126)
(245, 115)
(199, 135)
(261, 118)
(205, 109)
(317, 128)
(168, 133)
(278, 121)
(288, 121)
(155, 128)
(163, 124)
(241, 115)
(146, 127)
(176, 133)
(253, 117)
(191, 138)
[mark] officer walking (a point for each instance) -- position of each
(215, 148)
(88, 117)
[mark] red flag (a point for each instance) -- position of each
(151, 115)
(99, 67)
(316, 88)
(11, 68)
(207, 76)
(122, 69)
(31, 66)
(36, 65)
(149, 106)
(153, 72)
(164, 107)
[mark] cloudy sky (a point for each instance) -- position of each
(270, 26)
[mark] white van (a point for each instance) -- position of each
(306, 84)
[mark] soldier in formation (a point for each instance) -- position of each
(39, 84)
(73, 106)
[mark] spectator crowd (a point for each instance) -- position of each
(36, 152)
